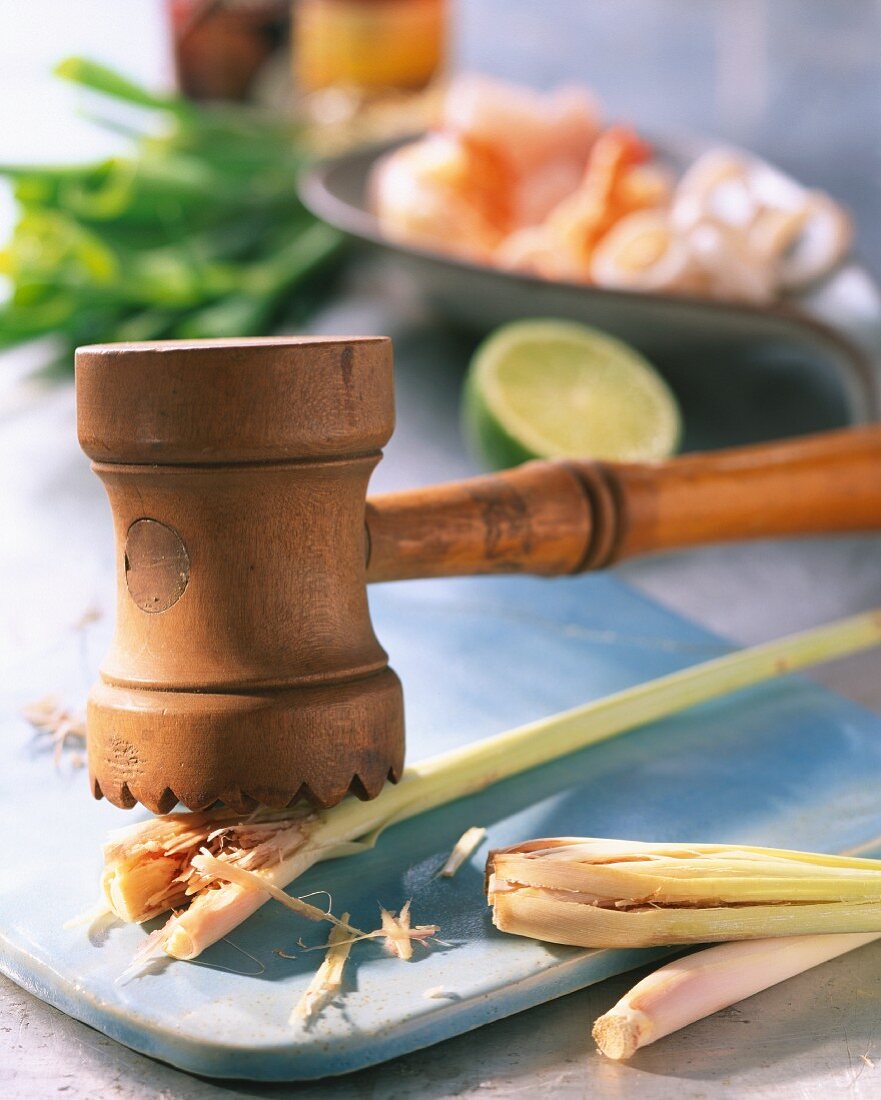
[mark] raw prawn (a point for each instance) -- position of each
(617, 181)
(444, 193)
(529, 182)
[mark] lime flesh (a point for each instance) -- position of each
(556, 389)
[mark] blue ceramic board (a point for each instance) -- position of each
(787, 764)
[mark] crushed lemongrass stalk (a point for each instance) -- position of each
(618, 893)
(328, 978)
(466, 845)
(213, 868)
(148, 866)
(690, 988)
(397, 930)
(48, 716)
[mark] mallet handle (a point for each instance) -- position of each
(566, 517)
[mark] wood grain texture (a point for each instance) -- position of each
(564, 517)
(807, 486)
(244, 666)
(220, 401)
(540, 518)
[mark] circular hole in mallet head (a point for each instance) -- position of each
(157, 566)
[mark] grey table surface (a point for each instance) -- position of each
(799, 80)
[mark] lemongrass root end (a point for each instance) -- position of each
(619, 1035)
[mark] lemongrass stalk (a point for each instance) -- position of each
(213, 867)
(635, 871)
(688, 989)
(700, 984)
(464, 771)
(624, 894)
(215, 913)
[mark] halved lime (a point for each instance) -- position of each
(548, 389)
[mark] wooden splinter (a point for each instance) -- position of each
(244, 666)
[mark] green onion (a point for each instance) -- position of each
(91, 74)
(198, 231)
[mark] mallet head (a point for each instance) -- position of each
(244, 667)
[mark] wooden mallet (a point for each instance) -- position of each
(244, 666)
